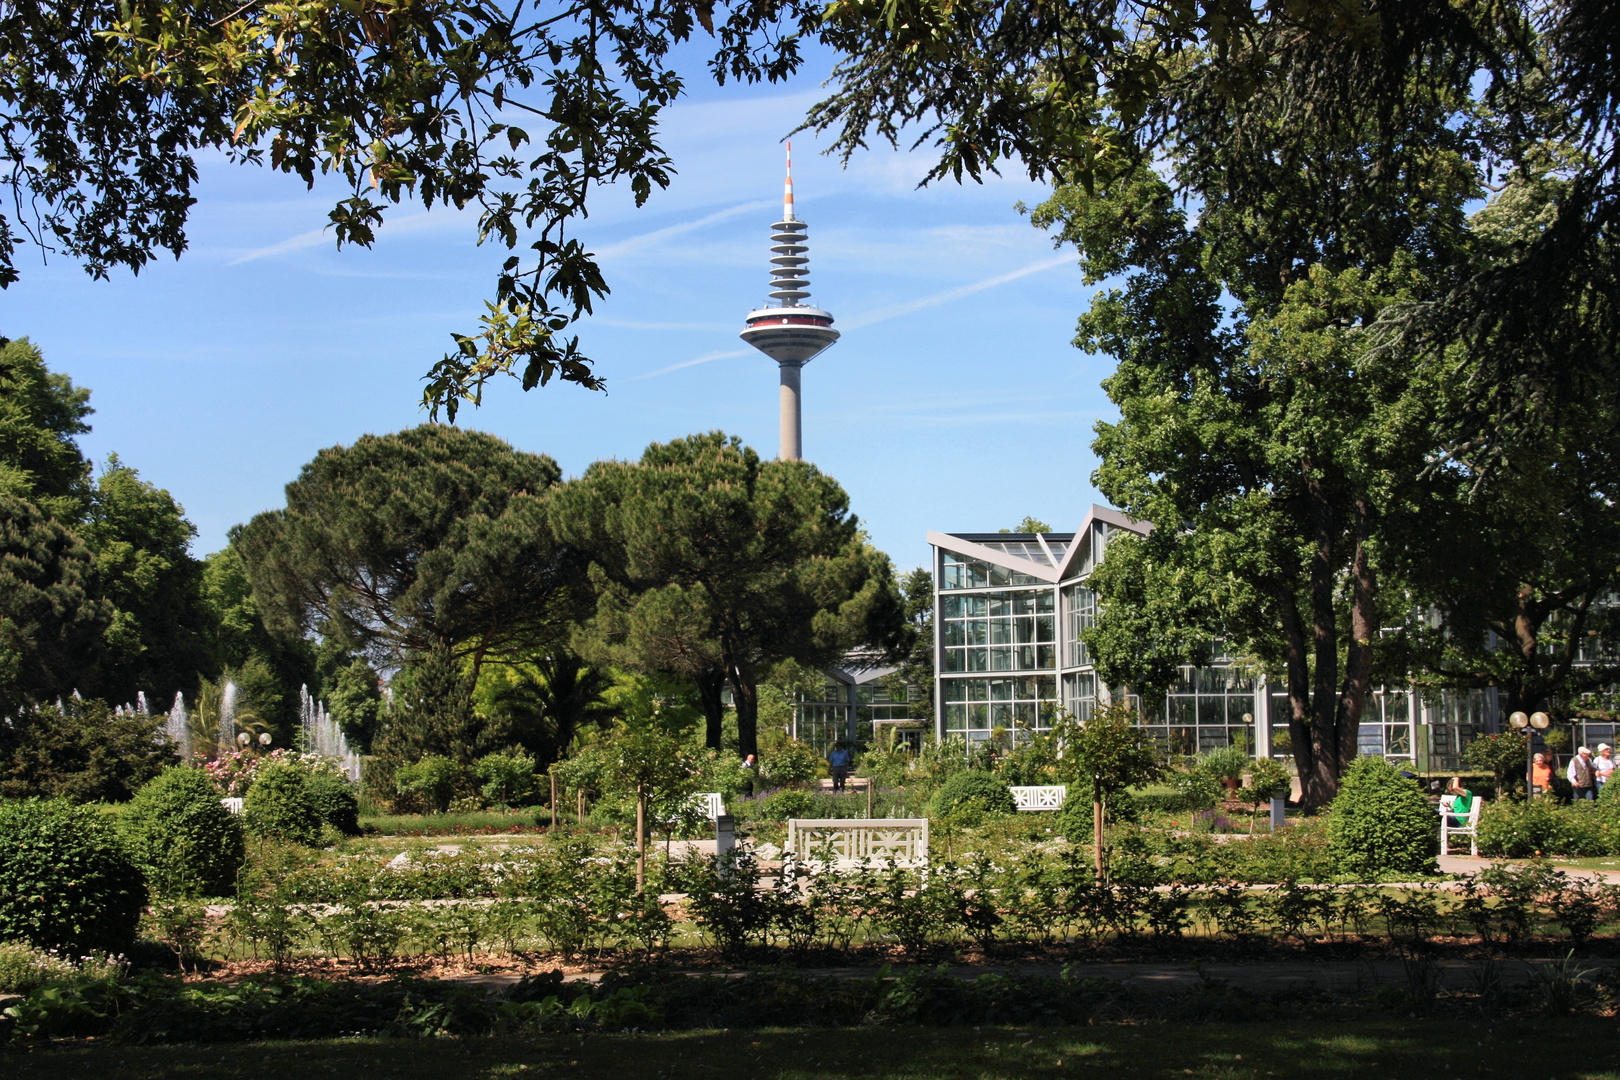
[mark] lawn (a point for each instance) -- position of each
(1581, 1048)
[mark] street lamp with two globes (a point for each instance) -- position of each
(1540, 722)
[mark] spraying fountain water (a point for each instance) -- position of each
(227, 718)
(321, 735)
(178, 728)
(140, 703)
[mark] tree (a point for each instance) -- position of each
(402, 543)
(141, 541)
(549, 701)
(81, 750)
(1030, 525)
(647, 763)
(237, 637)
(916, 653)
(107, 103)
(1264, 432)
(760, 560)
(433, 712)
(355, 702)
(41, 412)
(1108, 753)
(50, 618)
(1094, 93)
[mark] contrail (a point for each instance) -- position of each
(885, 314)
(320, 236)
(656, 235)
(704, 359)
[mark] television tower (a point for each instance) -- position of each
(792, 334)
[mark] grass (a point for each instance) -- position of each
(1580, 1048)
(532, 818)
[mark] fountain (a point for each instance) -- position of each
(140, 704)
(227, 718)
(177, 727)
(321, 735)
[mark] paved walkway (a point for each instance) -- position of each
(1464, 864)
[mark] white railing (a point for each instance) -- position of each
(1040, 798)
(712, 802)
(846, 843)
(234, 805)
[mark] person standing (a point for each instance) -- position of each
(1603, 765)
(1582, 776)
(1540, 775)
(840, 760)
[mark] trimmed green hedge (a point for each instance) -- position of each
(1542, 826)
(181, 836)
(990, 792)
(1380, 825)
(66, 882)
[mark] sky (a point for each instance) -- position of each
(954, 400)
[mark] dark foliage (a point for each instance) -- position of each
(81, 750)
(182, 837)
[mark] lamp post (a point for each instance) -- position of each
(1540, 721)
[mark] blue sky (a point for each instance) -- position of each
(954, 400)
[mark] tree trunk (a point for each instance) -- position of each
(1322, 783)
(1299, 690)
(745, 698)
(1097, 824)
(641, 839)
(1363, 633)
(710, 685)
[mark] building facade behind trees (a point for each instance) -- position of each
(1011, 610)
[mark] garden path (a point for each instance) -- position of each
(1466, 864)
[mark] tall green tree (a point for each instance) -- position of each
(355, 701)
(403, 543)
(157, 640)
(761, 560)
(433, 712)
(51, 619)
(41, 415)
(1262, 431)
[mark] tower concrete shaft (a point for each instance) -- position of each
(792, 446)
(791, 332)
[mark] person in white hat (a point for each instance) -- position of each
(1603, 764)
(1582, 776)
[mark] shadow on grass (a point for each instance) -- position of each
(1579, 1048)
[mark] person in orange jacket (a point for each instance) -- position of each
(1540, 775)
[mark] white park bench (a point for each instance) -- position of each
(854, 843)
(712, 802)
(1049, 797)
(1468, 828)
(234, 805)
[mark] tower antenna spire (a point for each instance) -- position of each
(792, 333)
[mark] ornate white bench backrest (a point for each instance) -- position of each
(234, 805)
(845, 842)
(712, 802)
(1040, 798)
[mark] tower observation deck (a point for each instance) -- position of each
(791, 333)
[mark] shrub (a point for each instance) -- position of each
(25, 968)
(279, 806)
(1225, 763)
(335, 801)
(180, 835)
(1195, 791)
(81, 750)
(788, 761)
(65, 881)
(1522, 830)
(506, 777)
(1380, 824)
(1074, 821)
(430, 779)
(992, 795)
(789, 803)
